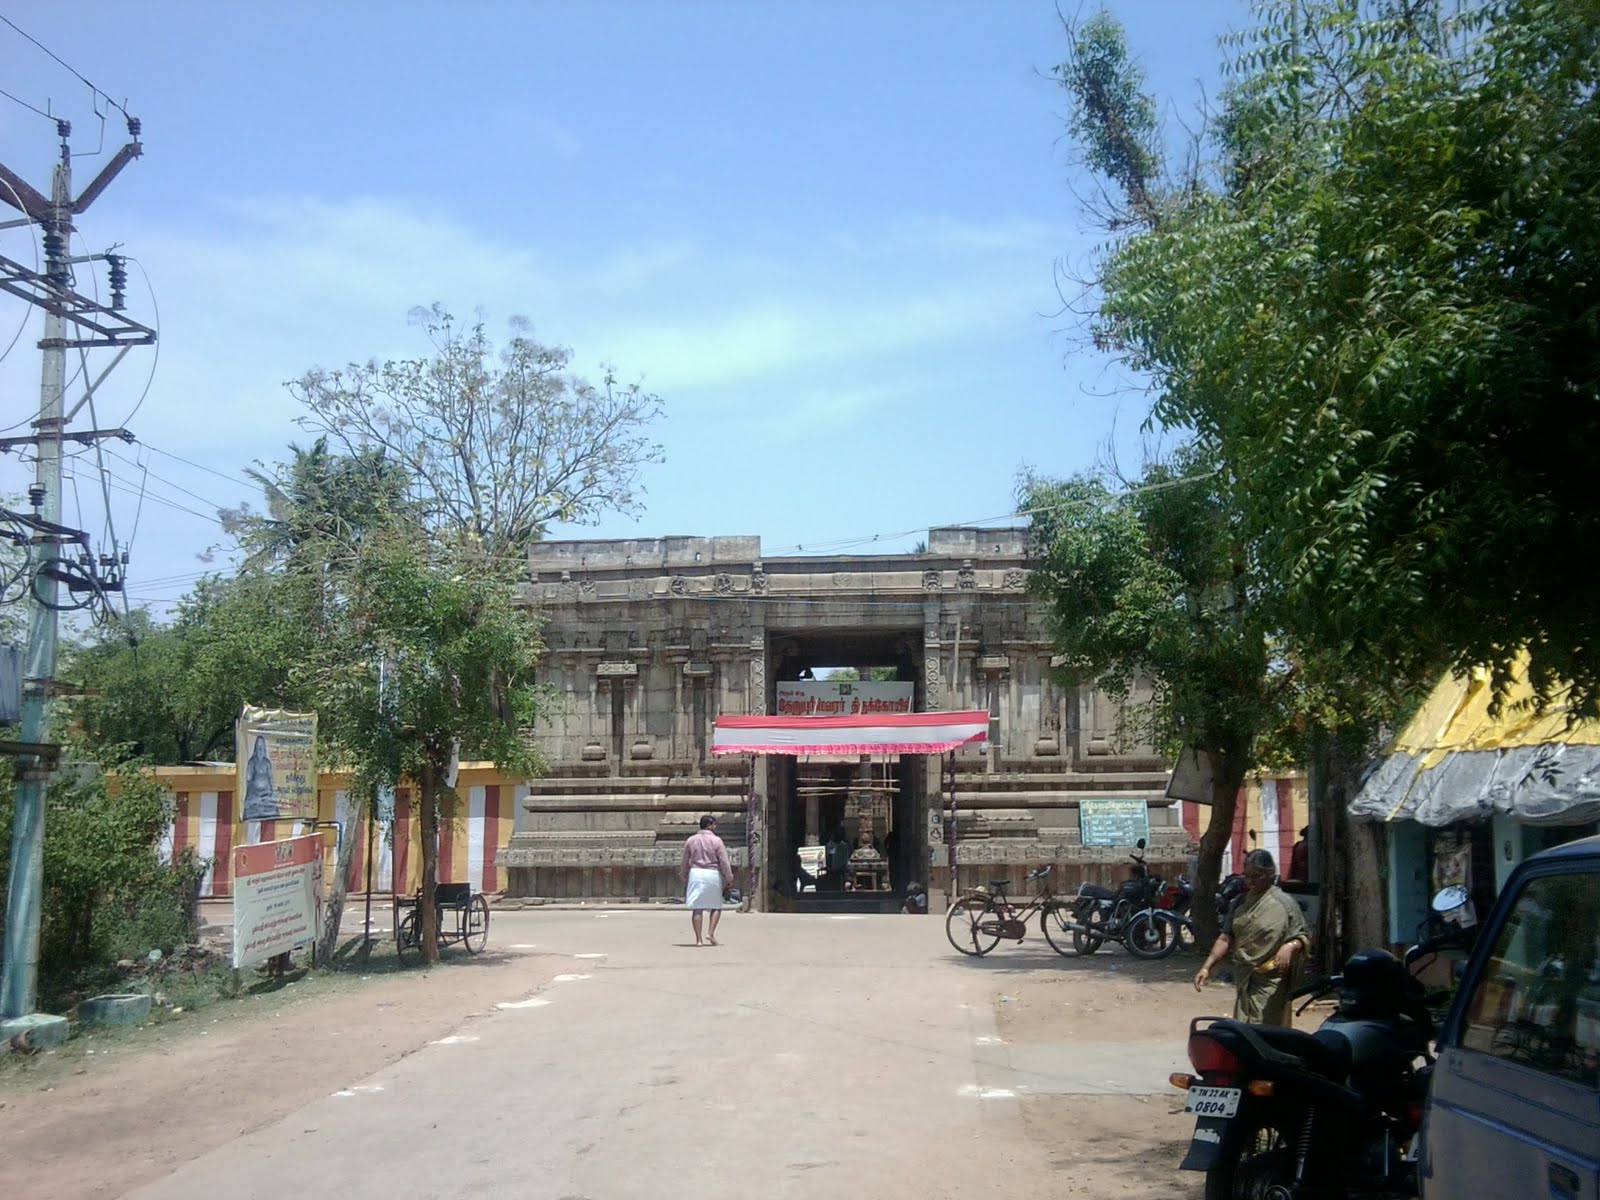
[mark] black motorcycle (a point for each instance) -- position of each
(1281, 1114)
(1126, 915)
(1177, 899)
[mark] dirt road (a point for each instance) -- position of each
(593, 1053)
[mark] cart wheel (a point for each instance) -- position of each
(408, 938)
(476, 936)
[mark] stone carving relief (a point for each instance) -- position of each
(931, 580)
(586, 587)
(966, 578)
(758, 582)
(841, 579)
(723, 584)
(933, 680)
(758, 684)
(1014, 579)
(679, 586)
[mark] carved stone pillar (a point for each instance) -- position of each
(995, 670)
(756, 701)
(933, 684)
(1049, 743)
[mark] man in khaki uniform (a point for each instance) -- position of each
(1263, 936)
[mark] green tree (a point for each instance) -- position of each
(458, 656)
(318, 495)
(169, 692)
(1158, 586)
(1377, 302)
(499, 443)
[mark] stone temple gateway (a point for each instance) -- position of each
(649, 640)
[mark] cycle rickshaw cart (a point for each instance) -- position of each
(461, 913)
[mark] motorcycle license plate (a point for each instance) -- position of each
(1212, 1101)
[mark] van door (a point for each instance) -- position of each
(1514, 1106)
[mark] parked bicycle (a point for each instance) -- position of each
(977, 921)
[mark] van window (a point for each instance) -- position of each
(1538, 1000)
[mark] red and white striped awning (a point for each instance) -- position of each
(896, 733)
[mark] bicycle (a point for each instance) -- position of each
(977, 920)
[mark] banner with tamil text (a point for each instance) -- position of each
(843, 698)
(277, 898)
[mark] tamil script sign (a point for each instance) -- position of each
(277, 898)
(1113, 821)
(276, 754)
(843, 698)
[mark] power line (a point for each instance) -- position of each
(189, 462)
(125, 485)
(24, 103)
(12, 345)
(162, 479)
(81, 77)
(155, 358)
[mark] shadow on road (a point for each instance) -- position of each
(1105, 962)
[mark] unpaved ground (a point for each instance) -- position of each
(861, 1054)
(1104, 1145)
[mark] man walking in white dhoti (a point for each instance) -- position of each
(706, 873)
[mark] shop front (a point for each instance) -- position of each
(1470, 788)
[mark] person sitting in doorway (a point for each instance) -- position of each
(837, 857)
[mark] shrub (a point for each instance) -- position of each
(107, 892)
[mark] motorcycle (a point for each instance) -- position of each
(1175, 901)
(1126, 915)
(1281, 1114)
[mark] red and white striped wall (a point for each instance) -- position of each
(1273, 809)
(469, 843)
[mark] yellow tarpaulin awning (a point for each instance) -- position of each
(1457, 760)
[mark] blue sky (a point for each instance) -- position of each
(825, 233)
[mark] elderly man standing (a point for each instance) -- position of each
(1262, 935)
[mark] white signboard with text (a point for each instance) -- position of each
(277, 898)
(843, 698)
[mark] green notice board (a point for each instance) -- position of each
(1113, 821)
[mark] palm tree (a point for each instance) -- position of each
(323, 496)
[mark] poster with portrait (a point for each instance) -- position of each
(276, 755)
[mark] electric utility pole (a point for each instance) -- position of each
(71, 321)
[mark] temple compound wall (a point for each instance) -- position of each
(647, 641)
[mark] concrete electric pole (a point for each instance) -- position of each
(71, 321)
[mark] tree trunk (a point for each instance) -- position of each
(428, 826)
(1226, 779)
(349, 816)
(1327, 948)
(1362, 910)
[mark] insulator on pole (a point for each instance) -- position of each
(118, 271)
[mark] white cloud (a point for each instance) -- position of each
(257, 291)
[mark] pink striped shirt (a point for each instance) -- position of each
(705, 849)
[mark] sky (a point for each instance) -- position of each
(827, 233)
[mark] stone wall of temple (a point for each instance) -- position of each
(648, 640)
